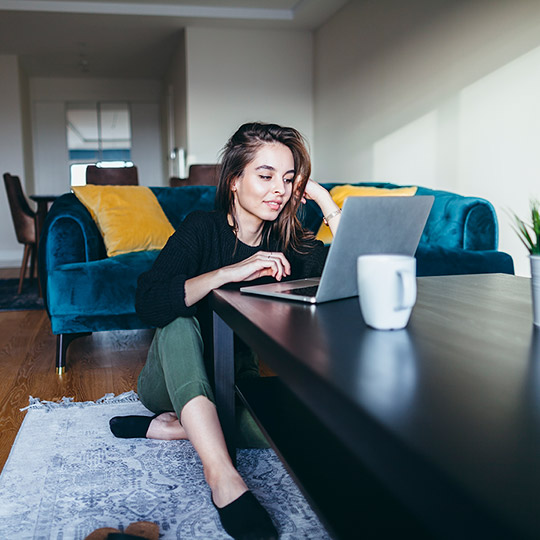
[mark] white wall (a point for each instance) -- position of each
(26, 116)
(85, 89)
(49, 97)
(146, 144)
(11, 152)
(51, 156)
(437, 93)
(175, 109)
(238, 75)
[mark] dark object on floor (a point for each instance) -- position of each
(130, 427)
(29, 298)
(246, 519)
(141, 529)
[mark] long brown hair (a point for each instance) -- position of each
(239, 151)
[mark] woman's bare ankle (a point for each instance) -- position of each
(166, 427)
(226, 486)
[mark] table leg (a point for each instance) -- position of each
(224, 381)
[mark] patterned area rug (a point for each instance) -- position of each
(67, 475)
(28, 299)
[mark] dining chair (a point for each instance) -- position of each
(199, 175)
(119, 176)
(24, 220)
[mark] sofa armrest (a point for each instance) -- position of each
(69, 235)
(458, 222)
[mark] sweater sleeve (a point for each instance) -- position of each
(310, 264)
(160, 296)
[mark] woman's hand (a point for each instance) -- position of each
(315, 192)
(323, 199)
(263, 263)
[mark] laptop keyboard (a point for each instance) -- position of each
(303, 291)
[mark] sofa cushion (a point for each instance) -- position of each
(80, 294)
(130, 218)
(178, 202)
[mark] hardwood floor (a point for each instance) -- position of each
(96, 365)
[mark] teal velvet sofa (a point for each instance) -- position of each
(86, 291)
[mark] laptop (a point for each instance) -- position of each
(369, 225)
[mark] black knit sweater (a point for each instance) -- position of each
(204, 242)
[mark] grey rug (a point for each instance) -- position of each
(67, 475)
(28, 299)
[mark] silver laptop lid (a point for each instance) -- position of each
(368, 225)
(371, 225)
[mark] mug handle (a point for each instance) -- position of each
(407, 289)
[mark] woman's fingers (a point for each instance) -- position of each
(265, 263)
(280, 264)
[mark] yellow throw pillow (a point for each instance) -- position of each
(340, 193)
(129, 218)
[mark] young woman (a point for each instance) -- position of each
(253, 234)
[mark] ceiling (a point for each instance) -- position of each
(132, 39)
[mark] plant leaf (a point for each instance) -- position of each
(523, 233)
(535, 215)
(529, 233)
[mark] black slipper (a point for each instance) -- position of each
(130, 427)
(246, 519)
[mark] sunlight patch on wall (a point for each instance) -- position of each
(408, 155)
(499, 144)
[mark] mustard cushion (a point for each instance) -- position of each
(340, 193)
(129, 218)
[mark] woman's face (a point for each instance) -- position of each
(266, 185)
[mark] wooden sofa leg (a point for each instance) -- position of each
(62, 343)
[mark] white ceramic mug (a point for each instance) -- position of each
(386, 290)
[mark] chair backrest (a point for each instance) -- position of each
(199, 175)
(21, 213)
(119, 176)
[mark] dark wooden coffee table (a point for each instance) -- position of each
(434, 429)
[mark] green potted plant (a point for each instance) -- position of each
(529, 234)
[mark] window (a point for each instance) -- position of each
(97, 134)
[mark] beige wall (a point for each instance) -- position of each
(24, 82)
(49, 96)
(444, 94)
(175, 109)
(11, 152)
(238, 75)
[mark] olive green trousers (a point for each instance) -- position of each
(175, 373)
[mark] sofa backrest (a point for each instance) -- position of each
(455, 221)
(178, 202)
